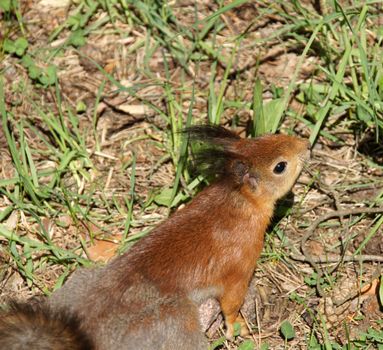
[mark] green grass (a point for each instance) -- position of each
(53, 156)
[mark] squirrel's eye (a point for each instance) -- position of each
(280, 168)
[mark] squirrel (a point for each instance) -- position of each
(148, 297)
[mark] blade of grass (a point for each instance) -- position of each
(259, 124)
(130, 202)
(24, 177)
(372, 93)
(183, 149)
(286, 97)
(38, 246)
(322, 114)
(373, 231)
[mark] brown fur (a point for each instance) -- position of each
(38, 327)
(147, 298)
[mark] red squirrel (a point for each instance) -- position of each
(148, 297)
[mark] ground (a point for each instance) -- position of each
(90, 146)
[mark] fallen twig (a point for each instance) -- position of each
(323, 259)
(311, 229)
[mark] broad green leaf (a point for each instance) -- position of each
(21, 45)
(247, 345)
(164, 197)
(287, 330)
(5, 5)
(27, 61)
(9, 46)
(48, 76)
(77, 38)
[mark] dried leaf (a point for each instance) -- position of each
(102, 250)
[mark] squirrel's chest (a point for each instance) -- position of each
(244, 243)
(247, 234)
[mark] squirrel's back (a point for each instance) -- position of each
(136, 316)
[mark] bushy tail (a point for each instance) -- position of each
(35, 326)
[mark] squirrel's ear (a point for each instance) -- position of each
(242, 173)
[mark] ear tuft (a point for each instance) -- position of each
(212, 134)
(216, 151)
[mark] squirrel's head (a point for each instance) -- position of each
(274, 163)
(265, 167)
